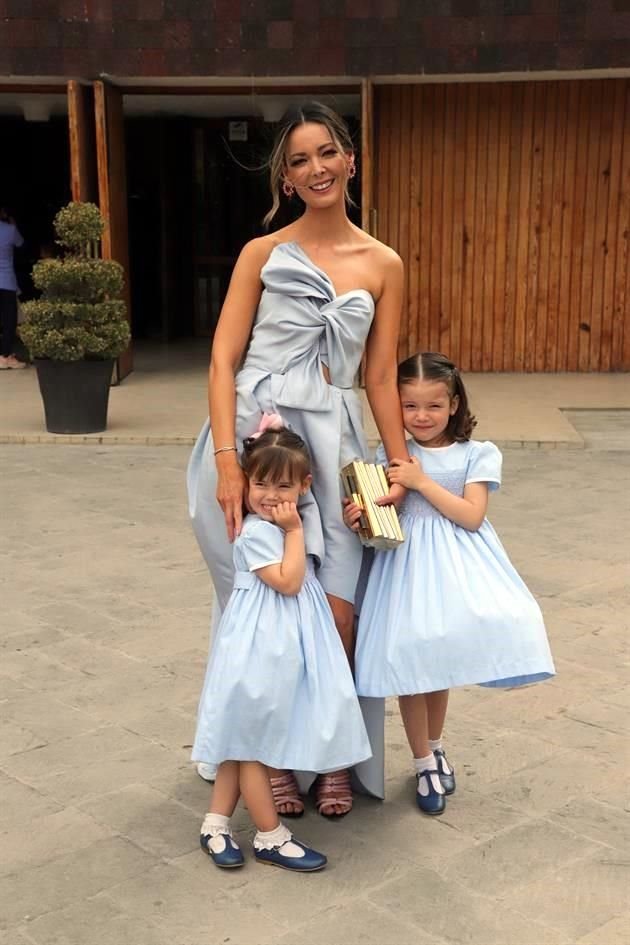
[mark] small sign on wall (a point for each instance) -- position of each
(237, 131)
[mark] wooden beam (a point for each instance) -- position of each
(83, 179)
(367, 152)
(112, 189)
(308, 90)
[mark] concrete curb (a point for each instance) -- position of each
(121, 439)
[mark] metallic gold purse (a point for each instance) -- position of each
(379, 526)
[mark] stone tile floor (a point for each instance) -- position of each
(104, 640)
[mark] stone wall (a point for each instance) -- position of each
(310, 37)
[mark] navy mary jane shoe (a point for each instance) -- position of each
(309, 863)
(227, 858)
(445, 771)
(433, 802)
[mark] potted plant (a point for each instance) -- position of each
(78, 326)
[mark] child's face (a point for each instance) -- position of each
(427, 408)
(264, 495)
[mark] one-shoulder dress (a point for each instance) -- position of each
(301, 326)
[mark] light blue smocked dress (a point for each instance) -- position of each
(301, 324)
(278, 686)
(447, 608)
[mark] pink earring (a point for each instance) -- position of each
(351, 168)
(288, 189)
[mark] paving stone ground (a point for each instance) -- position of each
(104, 637)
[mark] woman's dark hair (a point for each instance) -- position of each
(276, 455)
(429, 366)
(294, 116)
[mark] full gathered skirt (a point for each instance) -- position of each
(465, 616)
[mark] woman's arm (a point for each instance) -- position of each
(468, 510)
(288, 576)
(381, 362)
(228, 346)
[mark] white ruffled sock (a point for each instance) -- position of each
(280, 837)
(427, 764)
(217, 827)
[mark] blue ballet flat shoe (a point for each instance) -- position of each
(447, 778)
(227, 858)
(432, 803)
(309, 863)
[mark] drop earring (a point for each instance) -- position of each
(351, 168)
(288, 189)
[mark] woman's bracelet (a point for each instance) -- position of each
(226, 449)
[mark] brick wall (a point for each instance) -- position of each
(310, 37)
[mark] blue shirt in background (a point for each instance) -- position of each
(9, 238)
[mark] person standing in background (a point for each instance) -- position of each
(10, 238)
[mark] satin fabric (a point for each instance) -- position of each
(301, 325)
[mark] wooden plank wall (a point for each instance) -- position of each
(510, 206)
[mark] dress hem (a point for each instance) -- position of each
(282, 764)
(499, 682)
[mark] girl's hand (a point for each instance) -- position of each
(409, 475)
(351, 514)
(394, 497)
(231, 490)
(286, 516)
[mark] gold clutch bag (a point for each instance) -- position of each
(379, 526)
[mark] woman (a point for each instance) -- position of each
(304, 305)
(10, 238)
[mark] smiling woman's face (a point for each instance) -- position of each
(316, 166)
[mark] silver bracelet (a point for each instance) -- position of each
(226, 449)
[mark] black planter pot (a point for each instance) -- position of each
(75, 394)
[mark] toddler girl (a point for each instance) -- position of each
(278, 689)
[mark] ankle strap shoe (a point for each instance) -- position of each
(433, 802)
(309, 863)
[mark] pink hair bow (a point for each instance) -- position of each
(268, 421)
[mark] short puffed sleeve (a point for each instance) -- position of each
(262, 545)
(484, 465)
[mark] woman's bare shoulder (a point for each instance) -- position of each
(379, 254)
(256, 252)
(383, 255)
(384, 263)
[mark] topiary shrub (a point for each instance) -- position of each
(79, 315)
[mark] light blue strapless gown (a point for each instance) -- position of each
(301, 324)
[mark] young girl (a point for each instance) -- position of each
(278, 689)
(446, 608)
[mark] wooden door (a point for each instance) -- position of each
(510, 206)
(83, 177)
(112, 191)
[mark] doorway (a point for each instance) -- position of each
(183, 184)
(32, 189)
(197, 192)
